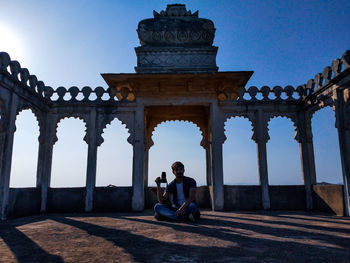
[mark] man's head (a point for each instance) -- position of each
(178, 169)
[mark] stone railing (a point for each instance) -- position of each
(289, 93)
(22, 77)
(265, 93)
(325, 78)
(84, 95)
(98, 95)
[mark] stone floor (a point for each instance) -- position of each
(217, 237)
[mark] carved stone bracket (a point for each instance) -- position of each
(128, 119)
(221, 135)
(123, 91)
(303, 129)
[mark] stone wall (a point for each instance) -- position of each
(26, 201)
(287, 197)
(112, 199)
(242, 197)
(66, 200)
(329, 199)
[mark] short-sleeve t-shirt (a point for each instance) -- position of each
(187, 184)
(180, 194)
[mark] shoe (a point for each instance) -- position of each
(191, 218)
(157, 216)
(197, 215)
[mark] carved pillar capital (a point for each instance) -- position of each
(217, 125)
(341, 98)
(260, 127)
(303, 128)
(128, 119)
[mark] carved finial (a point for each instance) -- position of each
(162, 36)
(175, 10)
(155, 14)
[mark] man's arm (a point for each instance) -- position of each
(190, 199)
(160, 197)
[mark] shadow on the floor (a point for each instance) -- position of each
(341, 227)
(25, 249)
(247, 239)
(224, 229)
(144, 248)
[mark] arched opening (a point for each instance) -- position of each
(25, 150)
(114, 158)
(326, 147)
(284, 166)
(177, 141)
(239, 153)
(69, 155)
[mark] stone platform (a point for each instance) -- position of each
(138, 237)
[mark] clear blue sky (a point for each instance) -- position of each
(69, 43)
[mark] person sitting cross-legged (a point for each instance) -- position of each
(183, 190)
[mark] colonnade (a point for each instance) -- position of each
(15, 96)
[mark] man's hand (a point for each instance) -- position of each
(180, 211)
(157, 180)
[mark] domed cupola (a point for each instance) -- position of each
(176, 41)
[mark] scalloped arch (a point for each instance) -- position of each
(109, 122)
(291, 116)
(150, 142)
(75, 116)
(310, 114)
(239, 115)
(37, 115)
(318, 107)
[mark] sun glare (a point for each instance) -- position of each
(9, 42)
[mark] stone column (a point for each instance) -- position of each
(138, 198)
(217, 174)
(342, 112)
(261, 137)
(91, 160)
(304, 138)
(208, 162)
(6, 148)
(46, 141)
(145, 170)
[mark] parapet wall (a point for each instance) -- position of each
(26, 201)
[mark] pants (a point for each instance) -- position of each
(168, 213)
